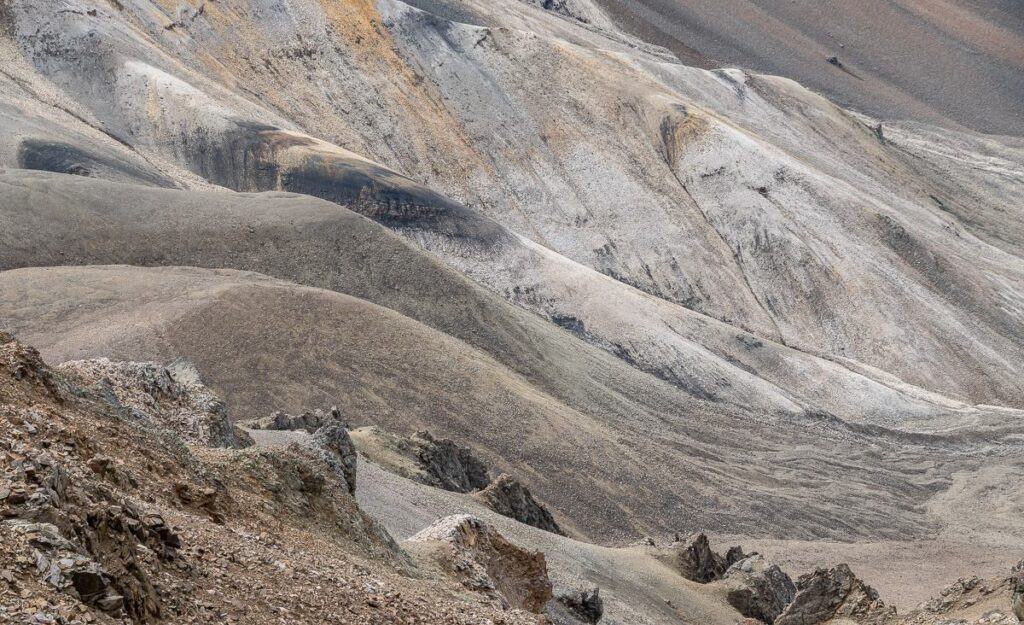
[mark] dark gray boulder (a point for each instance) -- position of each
(334, 446)
(508, 497)
(452, 466)
(758, 589)
(576, 607)
(695, 560)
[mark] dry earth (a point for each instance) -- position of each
(953, 63)
(665, 298)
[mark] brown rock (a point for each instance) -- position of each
(487, 562)
(575, 607)
(695, 560)
(758, 589)
(831, 593)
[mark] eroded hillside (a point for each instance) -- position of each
(663, 298)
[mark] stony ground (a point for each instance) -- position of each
(106, 519)
(666, 299)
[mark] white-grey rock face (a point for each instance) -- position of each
(727, 287)
(743, 198)
(172, 397)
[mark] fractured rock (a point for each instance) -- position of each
(330, 439)
(70, 567)
(309, 421)
(486, 562)
(436, 462)
(172, 397)
(695, 560)
(453, 466)
(758, 589)
(506, 496)
(25, 365)
(573, 607)
(833, 593)
(962, 601)
(335, 447)
(735, 554)
(1017, 575)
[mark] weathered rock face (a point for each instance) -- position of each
(758, 589)
(506, 496)
(330, 440)
(105, 520)
(309, 421)
(1017, 575)
(573, 607)
(734, 555)
(172, 397)
(335, 446)
(487, 562)
(453, 466)
(830, 593)
(444, 464)
(695, 560)
(971, 600)
(437, 462)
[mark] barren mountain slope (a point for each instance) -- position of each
(59, 219)
(110, 520)
(668, 299)
(598, 440)
(950, 62)
(776, 212)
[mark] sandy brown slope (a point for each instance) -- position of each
(639, 588)
(613, 450)
(945, 61)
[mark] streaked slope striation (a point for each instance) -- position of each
(595, 438)
(776, 212)
(929, 60)
(666, 296)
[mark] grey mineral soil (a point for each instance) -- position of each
(635, 586)
(665, 298)
(952, 62)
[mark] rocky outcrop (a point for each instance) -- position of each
(452, 466)
(172, 397)
(506, 496)
(971, 600)
(1017, 575)
(309, 421)
(832, 593)
(330, 440)
(334, 445)
(437, 462)
(576, 607)
(758, 589)
(104, 519)
(444, 464)
(695, 560)
(485, 561)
